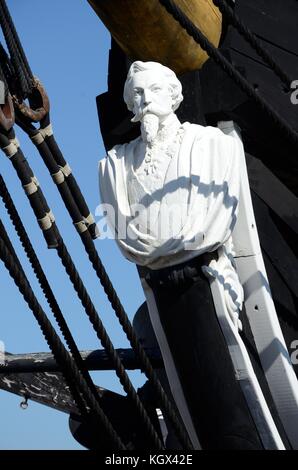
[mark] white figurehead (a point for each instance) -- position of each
(173, 191)
(152, 92)
(171, 198)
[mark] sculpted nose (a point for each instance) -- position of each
(147, 97)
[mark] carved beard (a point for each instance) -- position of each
(149, 127)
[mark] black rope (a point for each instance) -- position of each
(18, 44)
(134, 342)
(251, 38)
(14, 54)
(72, 183)
(228, 68)
(71, 202)
(55, 162)
(36, 199)
(4, 236)
(42, 279)
(105, 341)
(7, 241)
(24, 172)
(77, 206)
(61, 355)
(50, 161)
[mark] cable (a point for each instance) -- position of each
(18, 44)
(45, 286)
(45, 150)
(14, 54)
(235, 20)
(25, 174)
(77, 207)
(105, 340)
(135, 344)
(228, 68)
(61, 355)
(85, 235)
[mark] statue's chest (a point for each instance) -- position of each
(151, 167)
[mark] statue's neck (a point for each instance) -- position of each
(169, 125)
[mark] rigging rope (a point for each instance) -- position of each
(61, 355)
(45, 286)
(77, 207)
(73, 185)
(252, 39)
(105, 341)
(109, 289)
(228, 68)
(16, 59)
(18, 44)
(38, 203)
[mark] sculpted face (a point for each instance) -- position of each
(151, 95)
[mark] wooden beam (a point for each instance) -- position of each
(94, 360)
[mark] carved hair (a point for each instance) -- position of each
(170, 76)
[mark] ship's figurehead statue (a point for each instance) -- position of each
(172, 202)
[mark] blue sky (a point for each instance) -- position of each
(67, 47)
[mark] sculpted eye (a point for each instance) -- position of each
(137, 92)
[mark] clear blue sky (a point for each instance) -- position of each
(67, 47)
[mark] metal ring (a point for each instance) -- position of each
(24, 404)
(40, 99)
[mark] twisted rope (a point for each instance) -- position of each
(52, 157)
(18, 44)
(15, 57)
(229, 69)
(105, 340)
(134, 342)
(43, 282)
(235, 20)
(24, 172)
(61, 355)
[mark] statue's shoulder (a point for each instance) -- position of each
(119, 151)
(200, 131)
(208, 135)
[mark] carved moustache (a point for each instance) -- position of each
(152, 108)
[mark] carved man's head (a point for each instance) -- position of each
(152, 88)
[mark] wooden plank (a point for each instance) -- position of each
(271, 190)
(276, 248)
(94, 360)
(267, 85)
(287, 60)
(273, 20)
(48, 389)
